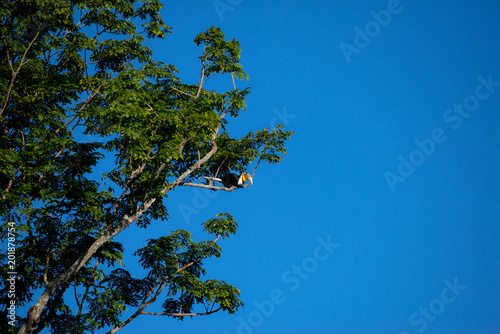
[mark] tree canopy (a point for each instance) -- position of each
(75, 68)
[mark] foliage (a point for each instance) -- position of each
(70, 69)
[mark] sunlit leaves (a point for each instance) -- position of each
(273, 143)
(220, 56)
(224, 225)
(176, 261)
(82, 97)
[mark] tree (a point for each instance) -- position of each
(76, 67)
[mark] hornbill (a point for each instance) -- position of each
(232, 180)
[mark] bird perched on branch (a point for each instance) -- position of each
(232, 180)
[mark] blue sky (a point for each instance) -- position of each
(384, 216)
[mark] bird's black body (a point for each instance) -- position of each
(230, 180)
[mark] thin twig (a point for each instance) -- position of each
(80, 307)
(180, 91)
(14, 74)
(217, 172)
(210, 77)
(258, 162)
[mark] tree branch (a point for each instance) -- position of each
(232, 77)
(89, 99)
(217, 172)
(255, 168)
(182, 314)
(159, 288)
(11, 182)
(80, 306)
(180, 91)
(76, 294)
(14, 74)
(202, 71)
(37, 309)
(143, 304)
(45, 272)
(112, 231)
(200, 162)
(108, 234)
(206, 186)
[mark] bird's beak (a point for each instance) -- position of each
(249, 179)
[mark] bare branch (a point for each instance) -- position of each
(202, 71)
(258, 162)
(213, 75)
(45, 272)
(206, 186)
(232, 77)
(150, 108)
(76, 295)
(180, 91)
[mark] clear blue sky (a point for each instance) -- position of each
(394, 163)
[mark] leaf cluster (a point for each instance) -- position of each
(94, 134)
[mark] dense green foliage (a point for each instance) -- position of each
(74, 68)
